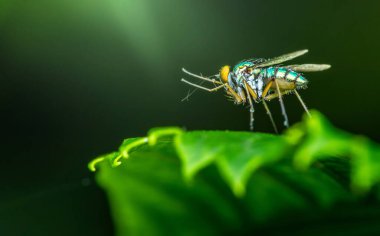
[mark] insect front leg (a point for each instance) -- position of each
(232, 92)
(204, 88)
(242, 94)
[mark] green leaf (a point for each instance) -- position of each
(320, 140)
(221, 182)
(237, 154)
(148, 196)
(279, 190)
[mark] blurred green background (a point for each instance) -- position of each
(79, 76)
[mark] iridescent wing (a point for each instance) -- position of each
(281, 59)
(309, 67)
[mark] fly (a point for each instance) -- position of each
(260, 80)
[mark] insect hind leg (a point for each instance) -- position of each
(283, 111)
(302, 103)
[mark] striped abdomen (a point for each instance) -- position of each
(285, 75)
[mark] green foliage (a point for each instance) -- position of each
(222, 182)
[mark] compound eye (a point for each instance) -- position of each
(224, 71)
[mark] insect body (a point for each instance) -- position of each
(260, 80)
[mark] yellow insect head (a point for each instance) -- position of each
(223, 73)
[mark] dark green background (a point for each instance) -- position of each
(79, 76)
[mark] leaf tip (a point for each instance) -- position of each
(92, 164)
(156, 133)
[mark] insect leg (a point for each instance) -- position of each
(302, 103)
(266, 89)
(241, 94)
(270, 116)
(202, 78)
(275, 95)
(191, 92)
(250, 91)
(251, 118)
(286, 121)
(237, 98)
(251, 108)
(204, 88)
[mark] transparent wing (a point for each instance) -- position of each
(309, 67)
(281, 59)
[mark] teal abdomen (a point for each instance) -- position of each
(284, 73)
